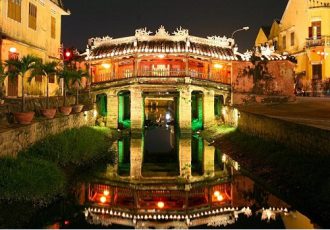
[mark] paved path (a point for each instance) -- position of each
(312, 111)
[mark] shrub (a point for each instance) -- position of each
(30, 180)
(75, 147)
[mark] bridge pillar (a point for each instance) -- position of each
(209, 116)
(112, 109)
(137, 110)
(185, 110)
(208, 160)
(136, 158)
(185, 157)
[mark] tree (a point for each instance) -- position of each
(76, 77)
(46, 70)
(20, 68)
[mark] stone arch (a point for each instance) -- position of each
(124, 109)
(197, 110)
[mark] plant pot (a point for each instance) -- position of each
(24, 118)
(66, 110)
(77, 108)
(48, 113)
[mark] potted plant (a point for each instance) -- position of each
(46, 70)
(76, 78)
(20, 68)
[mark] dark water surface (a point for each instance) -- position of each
(163, 180)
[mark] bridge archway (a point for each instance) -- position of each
(124, 109)
(197, 111)
(102, 104)
(219, 102)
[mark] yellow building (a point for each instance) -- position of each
(304, 32)
(31, 27)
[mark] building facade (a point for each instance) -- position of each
(304, 33)
(31, 27)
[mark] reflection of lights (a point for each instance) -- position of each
(161, 55)
(103, 199)
(106, 192)
(220, 198)
(160, 204)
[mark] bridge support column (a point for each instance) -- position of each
(185, 157)
(208, 160)
(185, 110)
(136, 158)
(209, 116)
(137, 110)
(112, 108)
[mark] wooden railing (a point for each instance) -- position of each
(163, 73)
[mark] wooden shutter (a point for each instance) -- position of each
(53, 27)
(32, 16)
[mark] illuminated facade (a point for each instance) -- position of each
(303, 32)
(31, 27)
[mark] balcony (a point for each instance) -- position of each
(214, 77)
(320, 41)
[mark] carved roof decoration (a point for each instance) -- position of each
(178, 35)
(161, 42)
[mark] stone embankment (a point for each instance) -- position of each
(298, 136)
(15, 139)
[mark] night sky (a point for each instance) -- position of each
(120, 18)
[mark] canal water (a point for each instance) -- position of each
(162, 179)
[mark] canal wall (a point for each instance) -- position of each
(15, 139)
(301, 137)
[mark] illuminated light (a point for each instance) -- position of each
(224, 158)
(168, 116)
(216, 193)
(106, 65)
(68, 54)
(106, 192)
(160, 204)
(161, 55)
(103, 199)
(12, 50)
(66, 222)
(218, 66)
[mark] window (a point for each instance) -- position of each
(38, 78)
(53, 27)
(317, 72)
(32, 16)
(51, 78)
(315, 30)
(284, 42)
(292, 39)
(15, 10)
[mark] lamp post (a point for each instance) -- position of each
(245, 28)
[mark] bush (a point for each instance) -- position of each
(30, 180)
(75, 147)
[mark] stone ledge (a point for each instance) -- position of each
(16, 139)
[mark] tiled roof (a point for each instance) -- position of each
(162, 46)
